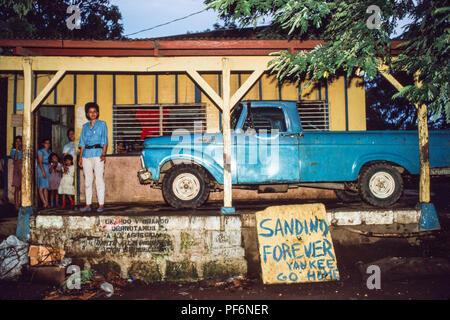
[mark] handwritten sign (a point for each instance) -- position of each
(16, 120)
(132, 236)
(295, 244)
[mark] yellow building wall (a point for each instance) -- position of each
(105, 102)
(84, 94)
(186, 89)
(267, 87)
(124, 89)
(166, 88)
(146, 89)
(212, 112)
(289, 91)
(356, 105)
(309, 91)
(336, 104)
(64, 90)
(253, 93)
(41, 82)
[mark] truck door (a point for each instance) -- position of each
(266, 152)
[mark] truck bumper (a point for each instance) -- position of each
(145, 177)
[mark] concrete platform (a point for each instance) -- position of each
(154, 242)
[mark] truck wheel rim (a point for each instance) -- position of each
(186, 186)
(382, 185)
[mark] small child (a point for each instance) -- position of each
(66, 186)
(55, 169)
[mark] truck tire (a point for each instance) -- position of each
(380, 185)
(165, 199)
(185, 186)
(347, 196)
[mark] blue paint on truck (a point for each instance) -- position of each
(269, 147)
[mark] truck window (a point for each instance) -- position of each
(235, 115)
(265, 118)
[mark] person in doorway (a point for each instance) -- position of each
(55, 178)
(16, 154)
(66, 186)
(69, 147)
(43, 171)
(93, 145)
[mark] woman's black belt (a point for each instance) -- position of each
(95, 146)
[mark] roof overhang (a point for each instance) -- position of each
(159, 48)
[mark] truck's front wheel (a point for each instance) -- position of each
(185, 186)
(380, 185)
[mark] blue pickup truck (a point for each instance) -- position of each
(270, 152)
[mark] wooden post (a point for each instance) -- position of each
(227, 186)
(27, 144)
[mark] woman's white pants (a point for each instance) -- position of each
(94, 167)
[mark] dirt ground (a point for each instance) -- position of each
(352, 286)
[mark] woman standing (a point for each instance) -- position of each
(93, 145)
(16, 154)
(43, 171)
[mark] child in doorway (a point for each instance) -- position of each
(66, 186)
(55, 169)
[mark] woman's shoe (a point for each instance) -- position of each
(86, 209)
(100, 209)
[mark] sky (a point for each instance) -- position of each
(143, 14)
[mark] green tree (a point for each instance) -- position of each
(47, 19)
(352, 46)
(385, 113)
(358, 42)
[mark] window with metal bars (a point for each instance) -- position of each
(314, 115)
(134, 123)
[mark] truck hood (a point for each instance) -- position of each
(187, 139)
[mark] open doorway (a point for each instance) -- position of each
(52, 122)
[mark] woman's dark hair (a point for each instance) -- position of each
(43, 141)
(91, 105)
(68, 156)
(14, 141)
(51, 156)
(71, 129)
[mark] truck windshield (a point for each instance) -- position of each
(235, 115)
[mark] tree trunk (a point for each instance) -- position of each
(422, 128)
(424, 155)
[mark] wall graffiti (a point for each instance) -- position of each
(125, 235)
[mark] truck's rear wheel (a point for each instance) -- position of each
(347, 196)
(380, 185)
(185, 186)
